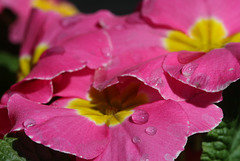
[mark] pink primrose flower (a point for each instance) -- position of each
(22, 9)
(125, 121)
(202, 38)
(95, 92)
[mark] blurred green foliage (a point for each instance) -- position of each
(223, 143)
(8, 70)
(7, 153)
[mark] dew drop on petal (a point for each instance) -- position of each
(140, 117)
(69, 21)
(151, 130)
(102, 24)
(119, 27)
(136, 140)
(188, 69)
(168, 157)
(106, 52)
(145, 157)
(29, 123)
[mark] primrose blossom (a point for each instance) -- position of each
(22, 10)
(93, 92)
(202, 38)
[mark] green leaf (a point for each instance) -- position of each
(223, 143)
(36, 152)
(8, 71)
(9, 61)
(7, 153)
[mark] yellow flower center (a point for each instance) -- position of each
(65, 9)
(110, 106)
(27, 62)
(205, 35)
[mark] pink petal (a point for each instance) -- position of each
(75, 84)
(129, 49)
(202, 119)
(152, 74)
(90, 48)
(22, 9)
(40, 24)
(174, 14)
(218, 8)
(5, 124)
(36, 90)
(212, 72)
(59, 128)
(162, 138)
(234, 48)
(52, 65)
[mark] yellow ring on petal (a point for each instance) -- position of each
(109, 107)
(39, 50)
(204, 36)
(63, 8)
(24, 66)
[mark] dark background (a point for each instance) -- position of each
(119, 7)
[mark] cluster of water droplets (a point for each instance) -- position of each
(141, 117)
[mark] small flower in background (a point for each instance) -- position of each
(22, 9)
(203, 39)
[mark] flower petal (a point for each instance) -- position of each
(59, 128)
(212, 72)
(218, 8)
(202, 119)
(74, 84)
(174, 14)
(152, 74)
(36, 90)
(161, 138)
(5, 124)
(129, 49)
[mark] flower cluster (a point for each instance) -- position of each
(134, 87)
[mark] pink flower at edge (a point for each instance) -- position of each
(79, 67)
(64, 129)
(22, 9)
(211, 69)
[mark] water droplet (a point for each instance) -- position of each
(102, 24)
(119, 27)
(188, 69)
(168, 157)
(151, 130)
(145, 157)
(69, 21)
(157, 82)
(106, 52)
(200, 81)
(231, 69)
(28, 123)
(136, 140)
(155, 78)
(140, 117)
